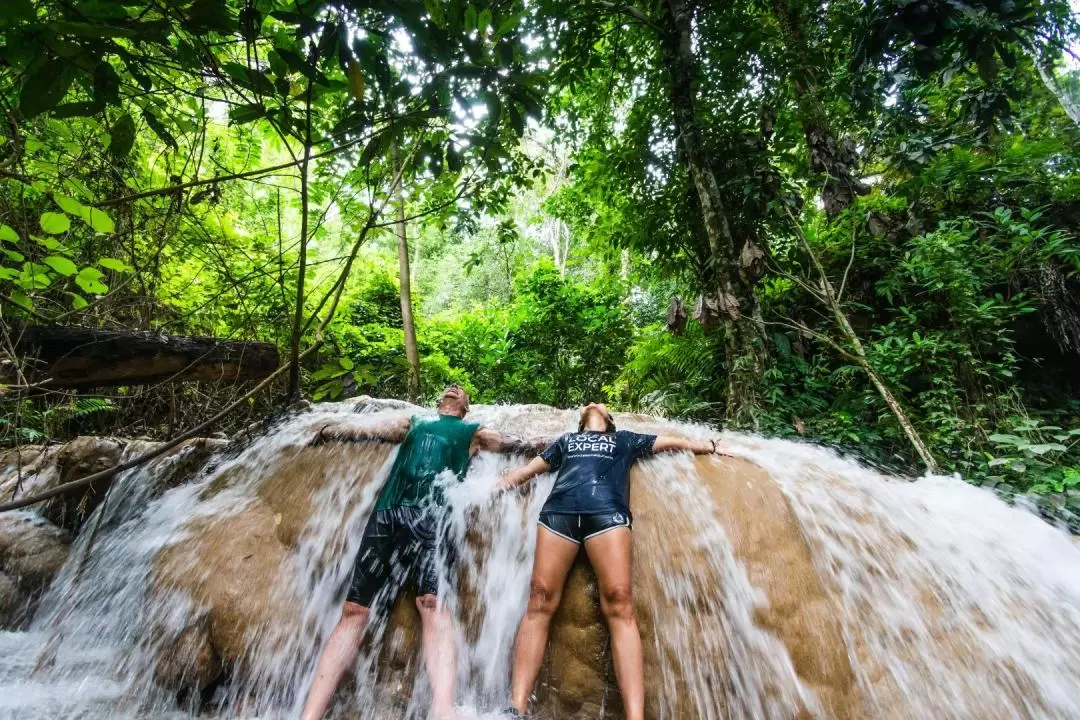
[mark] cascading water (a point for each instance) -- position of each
(784, 582)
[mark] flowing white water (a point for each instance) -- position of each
(946, 603)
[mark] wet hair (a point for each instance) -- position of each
(607, 416)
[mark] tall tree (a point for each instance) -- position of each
(412, 354)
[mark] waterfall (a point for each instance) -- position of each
(785, 582)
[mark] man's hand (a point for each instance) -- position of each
(719, 448)
(492, 441)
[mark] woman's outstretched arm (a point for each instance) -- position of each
(670, 443)
(512, 479)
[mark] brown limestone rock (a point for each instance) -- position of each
(768, 540)
(12, 601)
(32, 551)
(227, 567)
(81, 457)
(301, 472)
(189, 661)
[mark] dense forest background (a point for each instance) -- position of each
(851, 222)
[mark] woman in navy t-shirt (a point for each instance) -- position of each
(589, 505)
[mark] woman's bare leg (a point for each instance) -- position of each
(554, 558)
(609, 554)
(338, 655)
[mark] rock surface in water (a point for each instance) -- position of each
(235, 568)
(32, 551)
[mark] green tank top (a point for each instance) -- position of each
(429, 448)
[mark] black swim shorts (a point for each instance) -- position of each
(578, 528)
(398, 542)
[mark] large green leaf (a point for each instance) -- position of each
(61, 265)
(55, 223)
(97, 219)
(34, 277)
(122, 136)
(8, 234)
(210, 15)
(240, 114)
(45, 87)
(90, 280)
(114, 264)
(69, 205)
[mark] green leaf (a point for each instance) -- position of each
(8, 234)
(55, 223)
(114, 265)
(13, 255)
(89, 279)
(99, 220)
(158, 127)
(122, 136)
(61, 265)
(7, 273)
(210, 15)
(69, 205)
(34, 277)
(356, 80)
(22, 300)
(508, 23)
(470, 19)
(45, 87)
(1007, 439)
(240, 114)
(346, 363)
(78, 302)
(1043, 448)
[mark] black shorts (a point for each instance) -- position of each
(578, 528)
(397, 542)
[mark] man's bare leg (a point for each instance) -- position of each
(554, 558)
(440, 654)
(609, 554)
(338, 655)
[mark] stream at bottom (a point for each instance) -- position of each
(784, 582)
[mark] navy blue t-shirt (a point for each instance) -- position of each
(594, 471)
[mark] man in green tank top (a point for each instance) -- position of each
(407, 530)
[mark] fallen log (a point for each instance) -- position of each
(77, 357)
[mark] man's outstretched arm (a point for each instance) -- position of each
(670, 443)
(493, 441)
(391, 431)
(512, 479)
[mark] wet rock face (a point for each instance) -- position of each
(81, 457)
(32, 551)
(236, 568)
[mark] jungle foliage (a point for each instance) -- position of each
(869, 210)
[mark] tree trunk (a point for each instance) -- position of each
(293, 392)
(411, 351)
(744, 344)
(77, 357)
(832, 158)
(832, 300)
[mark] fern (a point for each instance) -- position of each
(90, 406)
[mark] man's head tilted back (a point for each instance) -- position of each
(453, 401)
